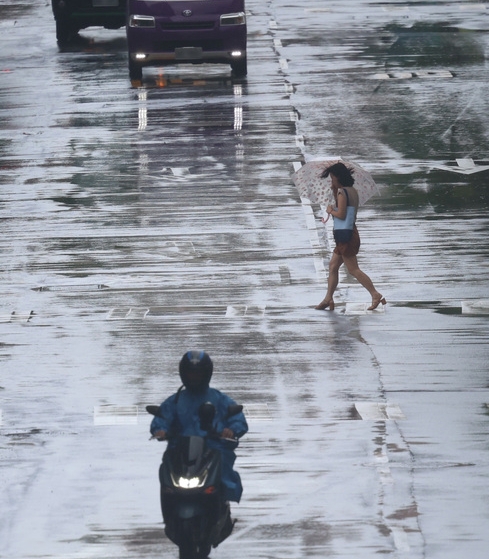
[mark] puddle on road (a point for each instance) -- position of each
(476, 307)
(434, 44)
(14, 10)
(406, 512)
(142, 541)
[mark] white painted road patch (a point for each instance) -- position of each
(109, 414)
(233, 311)
(465, 166)
(480, 306)
(362, 308)
(258, 412)
(378, 410)
(128, 314)
(403, 75)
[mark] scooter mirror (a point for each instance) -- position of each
(234, 410)
(153, 410)
(207, 413)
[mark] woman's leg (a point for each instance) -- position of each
(351, 264)
(333, 278)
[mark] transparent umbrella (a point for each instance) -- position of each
(318, 190)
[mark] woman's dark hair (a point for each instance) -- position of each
(341, 172)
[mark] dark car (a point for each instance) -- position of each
(73, 15)
(161, 32)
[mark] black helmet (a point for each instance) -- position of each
(196, 370)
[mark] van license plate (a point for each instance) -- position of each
(188, 53)
(104, 3)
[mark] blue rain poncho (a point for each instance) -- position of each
(179, 415)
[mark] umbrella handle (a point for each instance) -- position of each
(325, 220)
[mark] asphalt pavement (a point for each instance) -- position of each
(140, 221)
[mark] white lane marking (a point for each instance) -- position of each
(394, 412)
(259, 412)
(316, 245)
(385, 475)
(130, 314)
(374, 411)
(433, 74)
(464, 166)
(289, 89)
(114, 414)
(233, 311)
(393, 76)
(14, 316)
(422, 74)
(400, 538)
(361, 308)
(176, 171)
(71, 287)
(474, 7)
(480, 306)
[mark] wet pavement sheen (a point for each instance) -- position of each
(139, 222)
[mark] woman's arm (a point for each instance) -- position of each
(340, 211)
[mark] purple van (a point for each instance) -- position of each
(161, 32)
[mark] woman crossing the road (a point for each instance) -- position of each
(346, 236)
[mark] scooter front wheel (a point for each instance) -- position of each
(189, 547)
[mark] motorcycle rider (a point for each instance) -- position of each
(179, 415)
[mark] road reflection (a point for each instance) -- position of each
(200, 139)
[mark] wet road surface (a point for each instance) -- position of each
(139, 222)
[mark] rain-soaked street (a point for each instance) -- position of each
(142, 220)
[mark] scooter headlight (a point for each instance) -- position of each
(189, 483)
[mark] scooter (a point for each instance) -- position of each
(196, 515)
